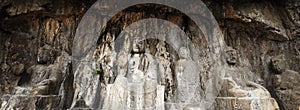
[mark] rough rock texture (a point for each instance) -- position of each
(36, 41)
(252, 96)
(260, 31)
(262, 47)
(151, 63)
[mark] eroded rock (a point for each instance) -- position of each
(231, 56)
(279, 64)
(17, 68)
(46, 54)
(257, 30)
(250, 97)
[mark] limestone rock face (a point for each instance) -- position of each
(285, 81)
(36, 39)
(136, 61)
(148, 63)
(250, 97)
(257, 42)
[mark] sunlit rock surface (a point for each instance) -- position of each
(252, 63)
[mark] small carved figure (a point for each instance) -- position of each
(188, 79)
(278, 64)
(231, 56)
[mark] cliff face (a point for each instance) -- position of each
(265, 32)
(36, 42)
(38, 68)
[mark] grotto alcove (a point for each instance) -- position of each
(142, 54)
(160, 41)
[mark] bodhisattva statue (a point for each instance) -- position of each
(188, 78)
(137, 88)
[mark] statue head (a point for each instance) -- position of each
(138, 46)
(122, 59)
(231, 56)
(183, 53)
(279, 64)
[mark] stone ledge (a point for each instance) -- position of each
(246, 103)
(30, 102)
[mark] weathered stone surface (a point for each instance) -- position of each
(35, 58)
(231, 56)
(36, 39)
(250, 97)
(180, 70)
(35, 102)
(232, 89)
(45, 54)
(17, 68)
(279, 64)
(286, 82)
(254, 40)
(246, 103)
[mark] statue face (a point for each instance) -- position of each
(183, 53)
(231, 56)
(138, 46)
(122, 59)
(278, 64)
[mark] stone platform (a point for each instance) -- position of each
(30, 102)
(246, 103)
